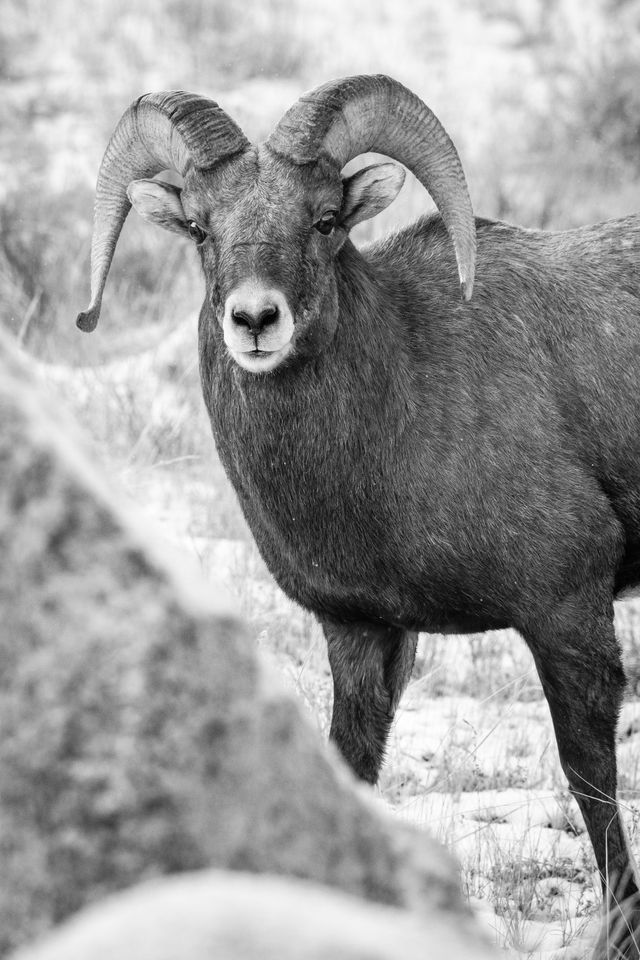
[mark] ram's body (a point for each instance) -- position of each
(409, 460)
(446, 465)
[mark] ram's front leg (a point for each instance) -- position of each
(371, 665)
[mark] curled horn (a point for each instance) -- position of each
(159, 131)
(344, 118)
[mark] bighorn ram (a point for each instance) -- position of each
(409, 459)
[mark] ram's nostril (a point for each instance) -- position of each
(268, 315)
(255, 321)
(241, 317)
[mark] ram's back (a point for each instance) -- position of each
(555, 312)
(542, 366)
(580, 300)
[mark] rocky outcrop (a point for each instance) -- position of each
(139, 734)
(215, 915)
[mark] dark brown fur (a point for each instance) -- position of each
(441, 465)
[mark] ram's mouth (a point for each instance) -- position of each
(261, 361)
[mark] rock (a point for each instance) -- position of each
(215, 915)
(140, 734)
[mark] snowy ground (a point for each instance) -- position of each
(471, 757)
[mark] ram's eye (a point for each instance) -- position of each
(327, 222)
(195, 232)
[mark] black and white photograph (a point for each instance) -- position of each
(320, 480)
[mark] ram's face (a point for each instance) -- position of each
(272, 236)
(268, 232)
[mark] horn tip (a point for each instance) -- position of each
(87, 321)
(466, 289)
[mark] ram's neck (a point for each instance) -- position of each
(366, 320)
(369, 344)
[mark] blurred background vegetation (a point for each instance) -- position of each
(542, 98)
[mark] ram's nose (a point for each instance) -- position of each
(252, 308)
(255, 316)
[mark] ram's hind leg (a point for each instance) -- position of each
(371, 666)
(578, 660)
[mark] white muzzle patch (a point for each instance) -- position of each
(257, 326)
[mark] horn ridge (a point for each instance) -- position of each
(375, 113)
(158, 131)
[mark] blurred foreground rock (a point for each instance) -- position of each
(216, 915)
(139, 735)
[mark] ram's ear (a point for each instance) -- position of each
(370, 191)
(158, 202)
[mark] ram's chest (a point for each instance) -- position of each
(353, 519)
(316, 492)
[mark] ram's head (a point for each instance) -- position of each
(269, 220)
